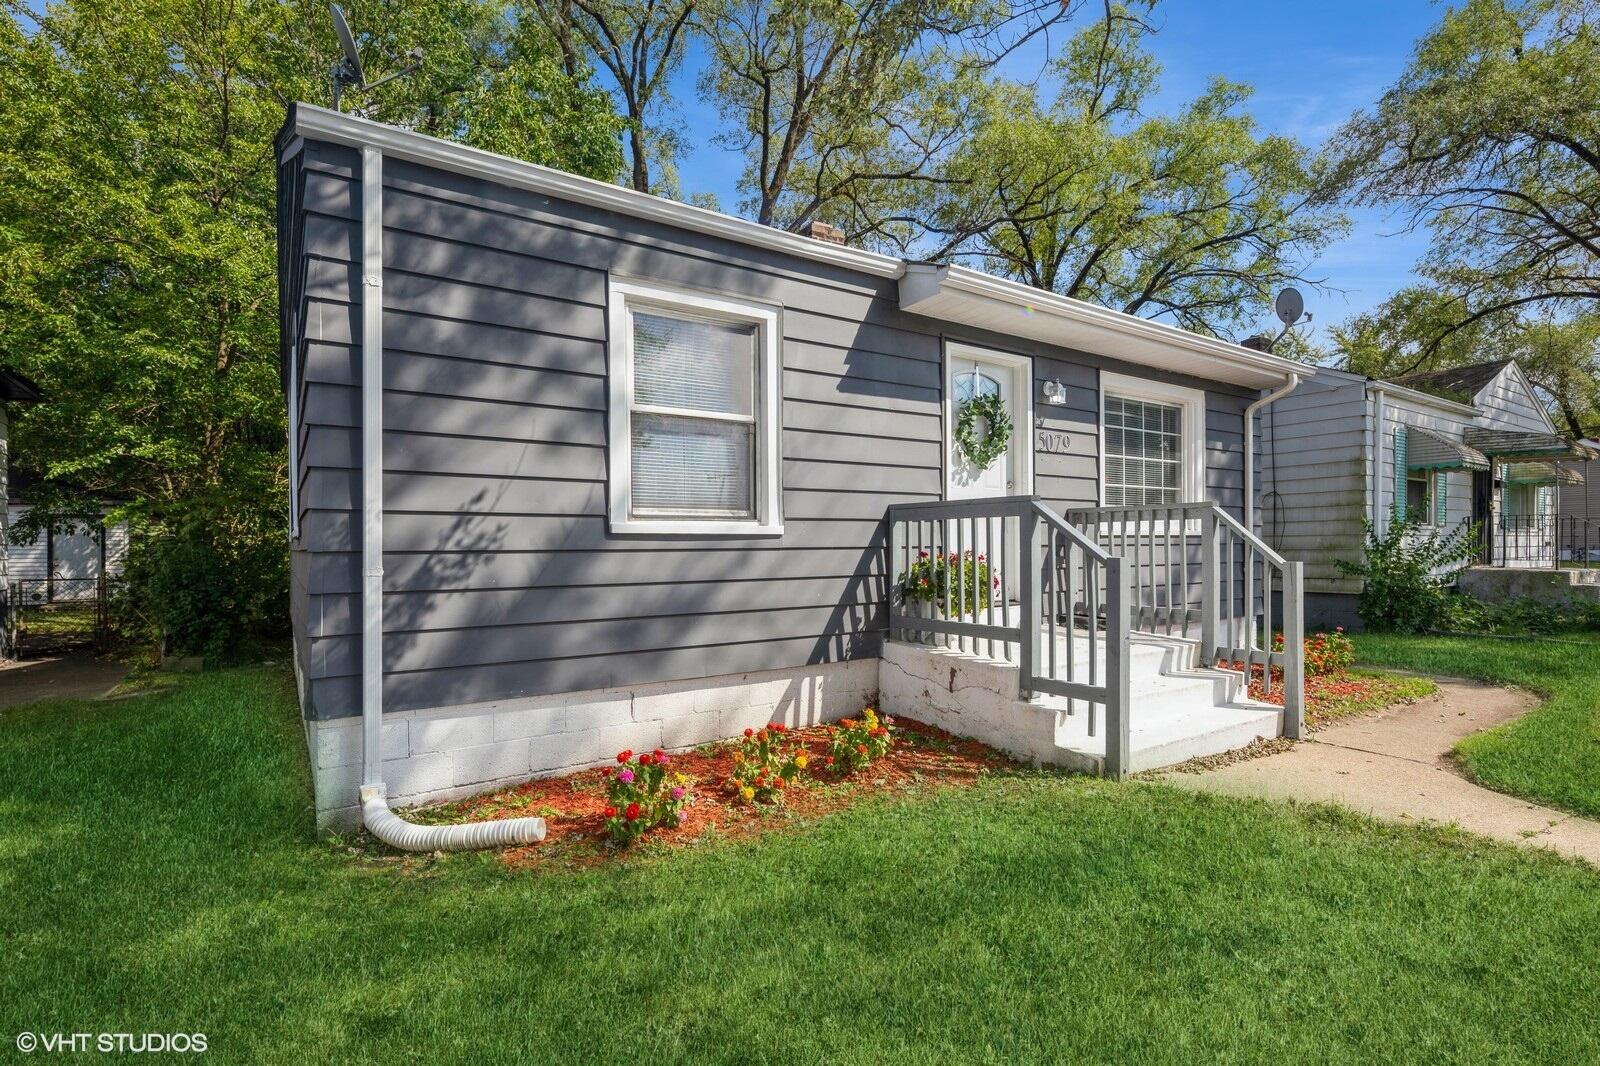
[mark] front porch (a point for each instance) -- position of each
(1111, 640)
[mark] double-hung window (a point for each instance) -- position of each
(694, 413)
(1153, 443)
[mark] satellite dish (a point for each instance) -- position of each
(348, 72)
(347, 41)
(1290, 305)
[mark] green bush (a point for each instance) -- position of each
(207, 583)
(1466, 614)
(1406, 574)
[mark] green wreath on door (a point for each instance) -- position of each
(981, 452)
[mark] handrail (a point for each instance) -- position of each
(1010, 577)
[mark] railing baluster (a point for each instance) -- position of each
(1050, 573)
(1266, 612)
(1071, 624)
(999, 570)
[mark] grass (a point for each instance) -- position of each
(158, 873)
(1552, 754)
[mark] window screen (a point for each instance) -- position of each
(1144, 453)
(692, 426)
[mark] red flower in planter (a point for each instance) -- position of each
(632, 812)
(749, 732)
(611, 812)
(624, 755)
(644, 760)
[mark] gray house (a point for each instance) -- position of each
(1466, 445)
(576, 469)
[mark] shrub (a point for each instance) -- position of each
(854, 744)
(764, 766)
(1326, 653)
(939, 579)
(1465, 614)
(1406, 574)
(640, 795)
(207, 584)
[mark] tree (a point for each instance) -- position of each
(639, 45)
(1194, 217)
(843, 108)
(1491, 139)
(138, 229)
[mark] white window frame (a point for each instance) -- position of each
(1192, 469)
(767, 494)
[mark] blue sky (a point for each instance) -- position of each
(1311, 66)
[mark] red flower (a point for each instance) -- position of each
(644, 760)
(862, 748)
(658, 755)
(624, 755)
(830, 760)
(776, 727)
(749, 732)
(611, 812)
(632, 812)
(779, 783)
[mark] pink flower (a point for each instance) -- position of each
(626, 777)
(677, 793)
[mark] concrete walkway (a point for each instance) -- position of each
(73, 675)
(1393, 765)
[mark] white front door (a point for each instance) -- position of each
(971, 372)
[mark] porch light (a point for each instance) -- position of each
(1055, 393)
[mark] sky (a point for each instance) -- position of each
(1311, 65)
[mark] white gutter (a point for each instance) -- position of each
(1250, 446)
(380, 821)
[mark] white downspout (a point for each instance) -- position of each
(1250, 447)
(380, 821)
(1379, 526)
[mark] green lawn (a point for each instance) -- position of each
(1552, 754)
(158, 873)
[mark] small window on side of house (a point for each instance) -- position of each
(1419, 496)
(693, 414)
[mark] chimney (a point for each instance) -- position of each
(822, 231)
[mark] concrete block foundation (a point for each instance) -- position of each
(448, 753)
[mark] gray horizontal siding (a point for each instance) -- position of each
(501, 574)
(1313, 478)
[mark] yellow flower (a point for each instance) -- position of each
(800, 761)
(738, 756)
(748, 793)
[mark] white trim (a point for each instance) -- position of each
(768, 494)
(1022, 438)
(324, 125)
(927, 288)
(1193, 402)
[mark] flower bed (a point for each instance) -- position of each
(1332, 696)
(574, 807)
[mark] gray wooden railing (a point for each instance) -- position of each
(1009, 578)
(1196, 572)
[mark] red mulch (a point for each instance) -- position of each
(923, 757)
(1321, 690)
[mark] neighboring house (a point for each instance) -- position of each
(14, 389)
(1468, 445)
(637, 457)
(66, 563)
(1578, 534)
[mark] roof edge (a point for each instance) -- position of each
(318, 123)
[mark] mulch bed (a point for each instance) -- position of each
(1322, 691)
(924, 757)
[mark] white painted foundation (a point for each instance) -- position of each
(448, 753)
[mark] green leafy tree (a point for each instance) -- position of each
(1491, 139)
(844, 108)
(1194, 216)
(138, 231)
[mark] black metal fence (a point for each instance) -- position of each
(46, 615)
(1545, 541)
